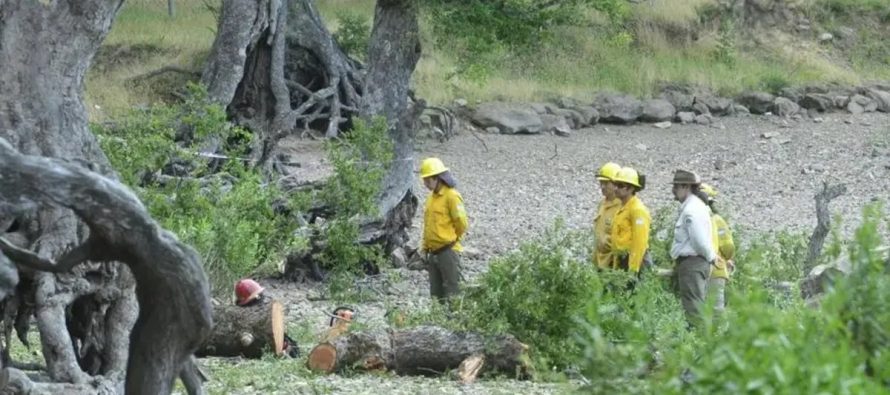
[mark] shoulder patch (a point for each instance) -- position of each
(640, 221)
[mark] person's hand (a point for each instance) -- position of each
(730, 265)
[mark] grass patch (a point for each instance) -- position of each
(577, 62)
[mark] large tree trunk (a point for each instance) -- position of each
(277, 69)
(172, 289)
(86, 314)
(393, 53)
(426, 350)
(41, 113)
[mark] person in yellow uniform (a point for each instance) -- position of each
(630, 227)
(725, 247)
(444, 224)
(602, 224)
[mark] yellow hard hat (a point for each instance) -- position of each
(431, 167)
(608, 171)
(708, 190)
(627, 175)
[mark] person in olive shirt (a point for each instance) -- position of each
(725, 246)
(444, 224)
(602, 224)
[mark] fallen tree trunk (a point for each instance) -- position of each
(426, 350)
(245, 331)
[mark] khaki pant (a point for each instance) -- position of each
(444, 270)
(717, 292)
(691, 277)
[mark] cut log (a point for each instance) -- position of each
(469, 369)
(422, 351)
(246, 331)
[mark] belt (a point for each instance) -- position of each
(444, 248)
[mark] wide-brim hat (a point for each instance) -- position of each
(683, 177)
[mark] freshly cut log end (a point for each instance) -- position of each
(469, 369)
(278, 327)
(322, 358)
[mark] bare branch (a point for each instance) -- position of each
(823, 223)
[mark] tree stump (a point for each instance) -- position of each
(246, 331)
(426, 350)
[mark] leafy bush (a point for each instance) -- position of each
(227, 216)
(360, 162)
(767, 350)
(353, 34)
(537, 294)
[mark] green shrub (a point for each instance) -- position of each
(768, 350)
(360, 162)
(228, 216)
(537, 293)
(353, 34)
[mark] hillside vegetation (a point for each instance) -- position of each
(510, 50)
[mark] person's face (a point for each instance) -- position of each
(431, 183)
(608, 189)
(681, 192)
(624, 191)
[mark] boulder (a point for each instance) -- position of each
(685, 117)
(716, 105)
(682, 101)
(784, 107)
(881, 99)
(574, 118)
(657, 110)
(858, 104)
(589, 114)
(618, 108)
(740, 109)
(757, 102)
(817, 101)
(509, 118)
(703, 119)
(543, 108)
(556, 124)
(701, 109)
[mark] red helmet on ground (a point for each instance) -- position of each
(247, 290)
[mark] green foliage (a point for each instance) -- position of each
(725, 52)
(537, 293)
(353, 34)
(767, 350)
(360, 162)
(228, 217)
(862, 301)
(479, 32)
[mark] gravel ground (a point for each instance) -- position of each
(766, 169)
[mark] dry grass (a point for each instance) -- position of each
(583, 61)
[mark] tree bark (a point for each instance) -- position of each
(393, 53)
(426, 350)
(172, 289)
(823, 224)
(245, 331)
(42, 113)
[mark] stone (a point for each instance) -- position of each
(703, 119)
(757, 102)
(509, 118)
(784, 107)
(859, 104)
(574, 118)
(657, 110)
(881, 99)
(817, 101)
(556, 124)
(398, 258)
(460, 102)
(716, 105)
(825, 37)
(618, 108)
(589, 114)
(701, 109)
(685, 117)
(662, 125)
(740, 109)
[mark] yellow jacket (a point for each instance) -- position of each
(602, 229)
(630, 234)
(444, 219)
(724, 245)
